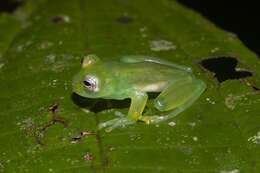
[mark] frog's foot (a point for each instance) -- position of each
(115, 123)
(119, 114)
(152, 119)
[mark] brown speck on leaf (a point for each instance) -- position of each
(57, 19)
(87, 133)
(89, 156)
(111, 148)
(55, 119)
(124, 20)
(81, 135)
(54, 108)
(60, 19)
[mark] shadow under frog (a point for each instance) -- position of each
(99, 105)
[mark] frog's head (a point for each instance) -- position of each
(87, 82)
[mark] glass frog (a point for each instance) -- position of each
(133, 77)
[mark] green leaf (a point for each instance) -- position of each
(44, 128)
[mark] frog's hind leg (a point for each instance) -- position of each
(141, 58)
(176, 97)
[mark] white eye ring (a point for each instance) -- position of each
(91, 83)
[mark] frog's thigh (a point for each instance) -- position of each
(181, 94)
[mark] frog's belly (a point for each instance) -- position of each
(154, 87)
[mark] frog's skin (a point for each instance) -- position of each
(133, 77)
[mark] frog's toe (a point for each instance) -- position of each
(115, 123)
(120, 114)
(106, 124)
(120, 123)
(153, 119)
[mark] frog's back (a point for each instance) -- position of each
(145, 74)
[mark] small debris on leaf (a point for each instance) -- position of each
(110, 148)
(61, 19)
(81, 135)
(55, 119)
(210, 101)
(45, 45)
(161, 45)
(124, 20)
(232, 171)
(89, 156)
(54, 108)
(255, 139)
(1, 65)
(195, 138)
(171, 123)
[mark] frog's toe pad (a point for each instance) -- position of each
(153, 119)
(115, 123)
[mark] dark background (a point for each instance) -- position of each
(239, 17)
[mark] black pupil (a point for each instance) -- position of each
(87, 83)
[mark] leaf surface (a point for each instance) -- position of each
(44, 127)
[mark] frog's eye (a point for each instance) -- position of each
(91, 83)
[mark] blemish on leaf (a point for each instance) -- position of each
(19, 48)
(255, 139)
(161, 45)
(61, 19)
(28, 126)
(252, 85)
(50, 58)
(210, 101)
(1, 65)
(224, 68)
(33, 149)
(172, 123)
(256, 88)
(192, 124)
(82, 134)
(54, 119)
(124, 20)
(214, 50)
(195, 138)
(232, 171)
(54, 108)
(186, 150)
(232, 100)
(142, 31)
(89, 156)
(134, 137)
(111, 148)
(45, 45)
(1, 167)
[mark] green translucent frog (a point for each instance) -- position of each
(133, 77)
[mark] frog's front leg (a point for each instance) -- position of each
(177, 97)
(138, 102)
